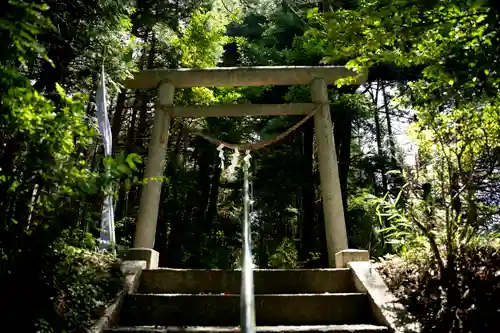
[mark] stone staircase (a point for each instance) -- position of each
(207, 301)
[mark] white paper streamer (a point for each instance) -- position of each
(234, 163)
(221, 155)
(107, 235)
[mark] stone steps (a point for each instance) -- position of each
(276, 281)
(224, 310)
(260, 329)
(208, 301)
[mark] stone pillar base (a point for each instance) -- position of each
(150, 256)
(343, 257)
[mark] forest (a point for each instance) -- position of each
(418, 148)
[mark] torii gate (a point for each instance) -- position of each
(166, 80)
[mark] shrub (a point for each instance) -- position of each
(85, 282)
(415, 281)
(60, 289)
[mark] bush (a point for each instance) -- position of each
(415, 281)
(60, 288)
(85, 282)
(285, 255)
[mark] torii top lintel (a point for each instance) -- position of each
(239, 76)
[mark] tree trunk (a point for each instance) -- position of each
(392, 144)
(122, 96)
(61, 54)
(181, 222)
(143, 118)
(131, 130)
(211, 212)
(202, 201)
(263, 259)
(116, 122)
(307, 191)
(169, 210)
(380, 151)
(342, 133)
(321, 247)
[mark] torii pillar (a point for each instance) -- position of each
(145, 230)
(333, 209)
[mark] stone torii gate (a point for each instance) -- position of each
(166, 80)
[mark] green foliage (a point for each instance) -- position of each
(416, 282)
(51, 184)
(48, 177)
(446, 265)
(285, 256)
(452, 42)
(51, 138)
(86, 282)
(201, 42)
(450, 46)
(282, 41)
(19, 23)
(442, 53)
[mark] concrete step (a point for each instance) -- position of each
(262, 329)
(265, 281)
(224, 310)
